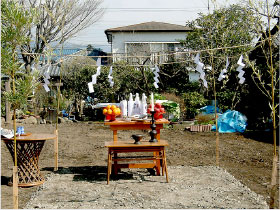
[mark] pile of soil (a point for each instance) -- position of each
(248, 156)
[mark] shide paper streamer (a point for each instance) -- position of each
(199, 68)
(111, 77)
(239, 69)
(46, 79)
(156, 71)
(223, 72)
(94, 77)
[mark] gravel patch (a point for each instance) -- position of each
(188, 188)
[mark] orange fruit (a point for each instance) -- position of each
(105, 111)
(113, 107)
(109, 111)
(116, 111)
(108, 107)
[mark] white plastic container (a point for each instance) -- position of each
(123, 106)
(130, 104)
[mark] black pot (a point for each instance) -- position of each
(137, 138)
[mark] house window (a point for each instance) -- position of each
(154, 52)
(138, 48)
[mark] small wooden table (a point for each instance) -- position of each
(117, 125)
(135, 125)
(158, 148)
(28, 151)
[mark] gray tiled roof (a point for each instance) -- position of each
(150, 26)
(53, 71)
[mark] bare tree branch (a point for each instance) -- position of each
(55, 16)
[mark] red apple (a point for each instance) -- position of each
(158, 105)
(149, 110)
(157, 110)
(157, 115)
(108, 117)
(162, 110)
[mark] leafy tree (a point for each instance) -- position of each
(193, 101)
(174, 78)
(264, 62)
(15, 20)
(222, 29)
(126, 79)
(78, 73)
(58, 20)
(262, 71)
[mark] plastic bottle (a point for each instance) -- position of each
(123, 106)
(144, 105)
(130, 105)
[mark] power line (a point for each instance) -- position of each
(155, 9)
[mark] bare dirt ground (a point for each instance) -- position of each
(247, 157)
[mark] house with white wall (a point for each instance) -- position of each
(149, 43)
(149, 39)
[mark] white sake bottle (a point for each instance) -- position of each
(144, 105)
(130, 105)
(123, 106)
(137, 105)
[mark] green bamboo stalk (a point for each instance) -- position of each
(58, 99)
(15, 168)
(275, 158)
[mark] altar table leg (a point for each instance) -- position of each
(109, 166)
(164, 164)
(115, 135)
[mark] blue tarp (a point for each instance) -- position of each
(209, 109)
(231, 121)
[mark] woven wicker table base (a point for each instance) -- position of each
(28, 158)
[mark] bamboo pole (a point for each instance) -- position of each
(275, 158)
(7, 104)
(15, 169)
(15, 187)
(273, 183)
(216, 117)
(56, 151)
(58, 104)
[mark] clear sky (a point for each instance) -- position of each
(127, 12)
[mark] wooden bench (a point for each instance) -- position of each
(157, 148)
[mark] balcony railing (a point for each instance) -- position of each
(151, 58)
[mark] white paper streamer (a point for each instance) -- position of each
(239, 69)
(46, 79)
(94, 76)
(223, 72)
(47, 89)
(47, 76)
(93, 79)
(156, 70)
(90, 87)
(156, 85)
(98, 70)
(111, 77)
(98, 62)
(199, 68)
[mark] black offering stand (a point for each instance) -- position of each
(153, 132)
